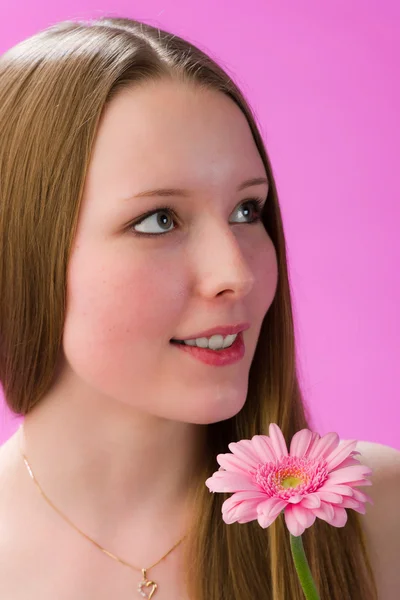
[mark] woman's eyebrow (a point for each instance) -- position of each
(186, 193)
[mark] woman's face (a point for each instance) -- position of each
(212, 263)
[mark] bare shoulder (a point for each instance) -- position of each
(384, 461)
(15, 522)
(381, 522)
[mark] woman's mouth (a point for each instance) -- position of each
(218, 357)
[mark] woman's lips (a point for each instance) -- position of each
(218, 358)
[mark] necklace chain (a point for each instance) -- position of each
(145, 582)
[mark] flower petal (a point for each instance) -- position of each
(264, 448)
(340, 517)
(339, 454)
(349, 474)
(233, 463)
(292, 523)
(362, 482)
(336, 488)
(330, 497)
(244, 452)
(278, 441)
(361, 509)
(300, 443)
(324, 512)
(248, 495)
(324, 445)
(362, 496)
(295, 499)
(265, 520)
(312, 500)
(272, 506)
(225, 481)
(242, 507)
(350, 503)
(303, 515)
(347, 463)
(314, 440)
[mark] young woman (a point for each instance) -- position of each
(139, 218)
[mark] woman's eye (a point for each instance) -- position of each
(162, 218)
(158, 218)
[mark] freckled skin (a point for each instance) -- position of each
(129, 295)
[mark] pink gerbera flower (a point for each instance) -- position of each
(317, 478)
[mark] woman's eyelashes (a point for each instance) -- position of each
(149, 221)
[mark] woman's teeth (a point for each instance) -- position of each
(215, 342)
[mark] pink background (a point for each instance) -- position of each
(323, 78)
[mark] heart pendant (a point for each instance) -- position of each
(146, 583)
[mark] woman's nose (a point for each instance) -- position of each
(222, 264)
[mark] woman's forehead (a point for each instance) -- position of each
(174, 132)
(170, 114)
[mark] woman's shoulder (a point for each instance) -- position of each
(380, 458)
(381, 523)
(14, 503)
(9, 458)
(23, 534)
(378, 452)
(11, 521)
(10, 495)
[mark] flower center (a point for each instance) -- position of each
(291, 476)
(291, 482)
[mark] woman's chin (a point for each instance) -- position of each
(214, 414)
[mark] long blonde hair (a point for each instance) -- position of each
(53, 89)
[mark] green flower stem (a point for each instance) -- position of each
(302, 568)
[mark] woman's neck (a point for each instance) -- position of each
(110, 468)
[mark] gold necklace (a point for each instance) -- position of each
(144, 585)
